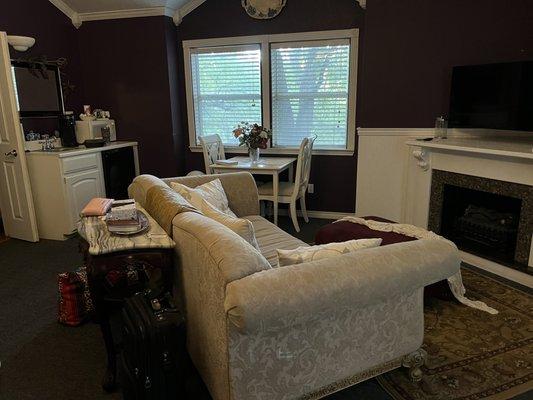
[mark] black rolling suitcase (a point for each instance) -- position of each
(153, 355)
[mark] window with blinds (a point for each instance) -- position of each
(226, 86)
(296, 84)
(310, 91)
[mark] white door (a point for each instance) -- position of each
(81, 188)
(16, 201)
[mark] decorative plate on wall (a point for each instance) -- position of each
(263, 9)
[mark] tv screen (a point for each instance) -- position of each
(38, 91)
(492, 96)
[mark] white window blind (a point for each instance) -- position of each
(310, 89)
(226, 85)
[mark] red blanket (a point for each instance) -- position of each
(344, 230)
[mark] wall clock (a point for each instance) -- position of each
(263, 9)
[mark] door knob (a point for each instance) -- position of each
(11, 153)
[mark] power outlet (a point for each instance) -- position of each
(311, 188)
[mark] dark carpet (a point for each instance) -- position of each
(43, 360)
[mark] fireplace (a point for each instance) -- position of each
(485, 217)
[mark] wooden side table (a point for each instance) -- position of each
(104, 253)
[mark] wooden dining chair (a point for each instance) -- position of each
(213, 150)
(290, 192)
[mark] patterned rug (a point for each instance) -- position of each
(473, 355)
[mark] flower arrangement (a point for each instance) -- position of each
(254, 136)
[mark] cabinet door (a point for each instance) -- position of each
(81, 188)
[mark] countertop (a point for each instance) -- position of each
(508, 147)
(75, 151)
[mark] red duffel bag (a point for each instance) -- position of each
(71, 299)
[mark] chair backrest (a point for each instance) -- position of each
(213, 150)
(303, 169)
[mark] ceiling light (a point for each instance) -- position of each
(20, 43)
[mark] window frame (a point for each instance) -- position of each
(265, 42)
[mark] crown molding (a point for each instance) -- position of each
(186, 9)
(69, 12)
(121, 14)
(177, 15)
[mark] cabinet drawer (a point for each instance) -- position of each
(80, 163)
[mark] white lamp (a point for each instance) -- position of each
(20, 43)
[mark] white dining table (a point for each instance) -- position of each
(265, 166)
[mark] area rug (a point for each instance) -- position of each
(473, 355)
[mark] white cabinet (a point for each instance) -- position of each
(61, 187)
(63, 182)
(81, 187)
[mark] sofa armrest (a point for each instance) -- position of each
(141, 184)
(240, 189)
(355, 280)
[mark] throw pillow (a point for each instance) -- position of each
(240, 226)
(212, 192)
(313, 253)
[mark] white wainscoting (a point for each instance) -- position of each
(394, 179)
(382, 167)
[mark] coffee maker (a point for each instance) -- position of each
(67, 130)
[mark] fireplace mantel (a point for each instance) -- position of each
(502, 147)
(506, 160)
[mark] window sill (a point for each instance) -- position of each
(318, 152)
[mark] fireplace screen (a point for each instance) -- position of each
(480, 222)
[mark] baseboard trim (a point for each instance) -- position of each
(319, 214)
(497, 269)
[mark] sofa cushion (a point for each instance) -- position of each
(240, 226)
(271, 238)
(212, 192)
(240, 189)
(318, 252)
(232, 255)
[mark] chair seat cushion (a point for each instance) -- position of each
(267, 189)
(270, 238)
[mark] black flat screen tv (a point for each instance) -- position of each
(492, 96)
(38, 90)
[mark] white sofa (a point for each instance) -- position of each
(257, 331)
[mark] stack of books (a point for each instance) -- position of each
(123, 217)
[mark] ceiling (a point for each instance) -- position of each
(90, 10)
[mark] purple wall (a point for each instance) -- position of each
(412, 45)
(134, 67)
(407, 51)
(54, 33)
(129, 66)
(227, 18)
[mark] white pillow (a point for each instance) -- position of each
(240, 226)
(212, 192)
(312, 253)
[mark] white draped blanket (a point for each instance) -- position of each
(455, 281)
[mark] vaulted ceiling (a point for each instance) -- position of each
(90, 10)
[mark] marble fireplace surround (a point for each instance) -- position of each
(523, 192)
